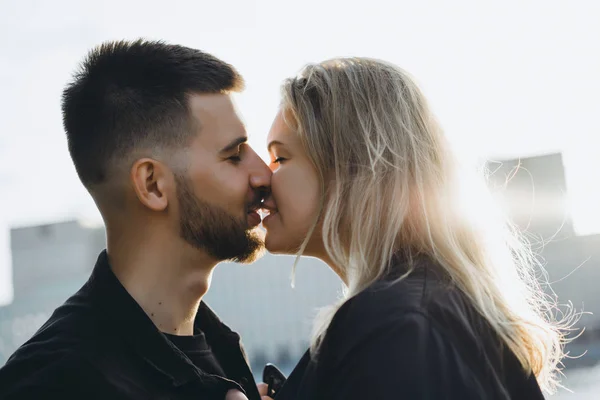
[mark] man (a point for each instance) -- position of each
(157, 142)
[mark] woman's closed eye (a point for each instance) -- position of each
(276, 163)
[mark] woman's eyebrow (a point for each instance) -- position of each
(274, 143)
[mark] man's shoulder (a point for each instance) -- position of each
(40, 371)
(61, 348)
(73, 325)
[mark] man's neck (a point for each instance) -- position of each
(168, 280)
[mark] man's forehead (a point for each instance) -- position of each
(217, 116)
(213, 106)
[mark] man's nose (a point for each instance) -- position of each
(260, 173)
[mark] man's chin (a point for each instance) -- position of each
(257, 232)
(253, 256)
(256, 247)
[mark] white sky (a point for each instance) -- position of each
(505, 78)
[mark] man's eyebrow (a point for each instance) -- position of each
(233, 144)
(274, 143)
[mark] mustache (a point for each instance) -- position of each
(257, 201)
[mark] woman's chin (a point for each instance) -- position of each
(275, 245)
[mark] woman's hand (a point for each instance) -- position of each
(262, 389)
(235, 394)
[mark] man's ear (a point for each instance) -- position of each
(150, 180)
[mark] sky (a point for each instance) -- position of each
(505, 79)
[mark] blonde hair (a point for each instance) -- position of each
(390, 181)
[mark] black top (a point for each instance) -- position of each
(101, 345)
(196, 348)
(416, 339)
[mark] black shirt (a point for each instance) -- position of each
(196, 348)
(78, 353)
(416, 339)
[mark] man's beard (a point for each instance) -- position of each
(214, 230)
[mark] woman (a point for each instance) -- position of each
(440, 300)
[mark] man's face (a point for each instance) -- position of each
(223, 184)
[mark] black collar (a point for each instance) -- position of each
(122, 311)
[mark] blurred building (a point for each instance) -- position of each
(274, 320)
(51, 262)
(535, 193)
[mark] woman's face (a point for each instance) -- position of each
(295, 193)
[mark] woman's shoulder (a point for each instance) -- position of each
(420, 328)
(424, 300)
(425, 291)
(410, 333)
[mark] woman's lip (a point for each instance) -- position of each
(265, 219)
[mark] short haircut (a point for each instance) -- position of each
(132, 94)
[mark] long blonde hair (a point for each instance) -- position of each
(390, 181)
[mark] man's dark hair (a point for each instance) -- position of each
(134, 94)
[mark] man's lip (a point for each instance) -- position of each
(255, 208)
(254, 217)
